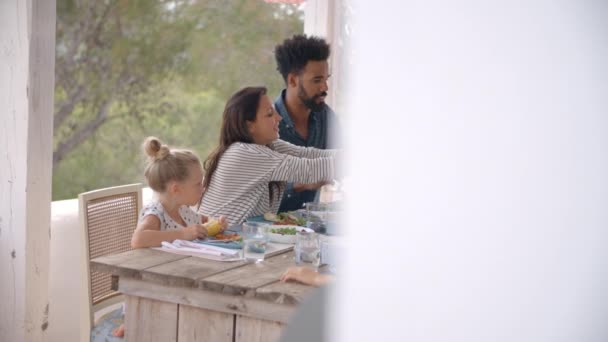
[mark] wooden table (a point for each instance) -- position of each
(172, 297)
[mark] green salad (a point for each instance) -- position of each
(284, 231)
(286, 218)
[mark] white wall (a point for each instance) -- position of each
(65, 272)
(27, 45)
(65, 269)
(481, 138)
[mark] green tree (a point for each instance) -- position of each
(109, 53)
(126, 69)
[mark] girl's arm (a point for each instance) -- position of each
(148, 233)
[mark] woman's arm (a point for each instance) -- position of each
(285, 147)
(246, 165)
(148, 233)
(303, 170)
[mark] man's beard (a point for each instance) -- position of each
(310, 102)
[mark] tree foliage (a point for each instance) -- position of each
(126, 69)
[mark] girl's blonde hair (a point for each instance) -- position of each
(165, 164)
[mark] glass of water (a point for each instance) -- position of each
(255, 241)
(308, 249)
(316, 216)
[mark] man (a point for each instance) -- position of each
(307, 119)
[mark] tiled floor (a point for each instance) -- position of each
(103, 330)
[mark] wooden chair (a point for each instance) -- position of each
(108, 218)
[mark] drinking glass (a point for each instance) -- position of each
(308, 249)
(316, 216)
(255, 241)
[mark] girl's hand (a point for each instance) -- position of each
(220, 219)
(195, 231)
(223, 222)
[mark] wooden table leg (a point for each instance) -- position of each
(150, 320)
(196, 324)
(257, 330)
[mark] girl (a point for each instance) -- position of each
(245, 176)
(176, 176)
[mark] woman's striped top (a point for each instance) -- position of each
(239, 185)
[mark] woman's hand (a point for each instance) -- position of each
(195, 231)
(297, 187)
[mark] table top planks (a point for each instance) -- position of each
(246, 279)
(237, 278)
(131, 263)
(186, 271)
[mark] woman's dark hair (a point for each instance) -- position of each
(293, 54)
(240, 108)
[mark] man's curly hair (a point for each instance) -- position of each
(293, 54)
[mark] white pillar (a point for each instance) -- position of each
(329, 19)
(326, 18)
(27, 61)
(318, 16)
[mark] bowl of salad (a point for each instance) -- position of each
(286, 218)
(285, 233)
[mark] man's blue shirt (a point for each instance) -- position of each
(322, 133)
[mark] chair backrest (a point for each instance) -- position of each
(108, 218)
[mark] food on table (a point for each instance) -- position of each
(228, 237)
(285, 218)
(284, 231)
(270, 217)
(213, 227)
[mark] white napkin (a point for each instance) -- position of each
(196, 249)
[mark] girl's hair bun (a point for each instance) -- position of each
(155, 149)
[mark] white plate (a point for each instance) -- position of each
(284, 238)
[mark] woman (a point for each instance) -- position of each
(245, 176)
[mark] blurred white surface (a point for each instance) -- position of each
(479, 145)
